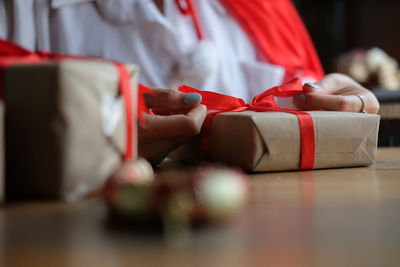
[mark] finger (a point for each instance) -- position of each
(161, 111)
(172, 99)
(313, 88)
(371, 104)
(173, 126)
(166, 112)
(303, 106)
(330, 83)
(348, 103)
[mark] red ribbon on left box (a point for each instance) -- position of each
(217, 103)
(11, 54)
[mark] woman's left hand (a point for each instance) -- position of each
(337, 92)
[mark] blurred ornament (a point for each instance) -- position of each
(374, 58)
(371, 68)
(221, 192)
(128, 190)
(205, 194)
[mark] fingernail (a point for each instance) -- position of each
(191, 98)
(314, 85)
(300, 97)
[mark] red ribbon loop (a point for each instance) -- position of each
(264, 102)
(12, 54)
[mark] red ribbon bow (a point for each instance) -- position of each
(11, 54)
(261, 103)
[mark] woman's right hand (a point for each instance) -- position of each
(178, 117)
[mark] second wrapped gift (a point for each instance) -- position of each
(261, 136)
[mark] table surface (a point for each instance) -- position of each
(337, 217)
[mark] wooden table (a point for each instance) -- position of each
(340, 217)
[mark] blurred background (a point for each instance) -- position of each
(348, 30)
(337, 26)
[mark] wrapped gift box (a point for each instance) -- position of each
(65, 126)
(270, 141)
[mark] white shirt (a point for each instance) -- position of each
(165, 46)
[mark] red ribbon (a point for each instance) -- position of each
(11, 54)
(217, 103)
(187, 8)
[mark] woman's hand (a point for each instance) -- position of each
(178, 117)
(336, 92)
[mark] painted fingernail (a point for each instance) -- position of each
(314, 85)
(191, 98)
(300, 97)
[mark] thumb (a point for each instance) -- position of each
(171, 99)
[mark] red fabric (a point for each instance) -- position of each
(13, 54)
(278, 31)
(187, 8)
(143, 90)
(217, 103)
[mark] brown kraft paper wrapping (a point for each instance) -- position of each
(55, 139)
(270, 141)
